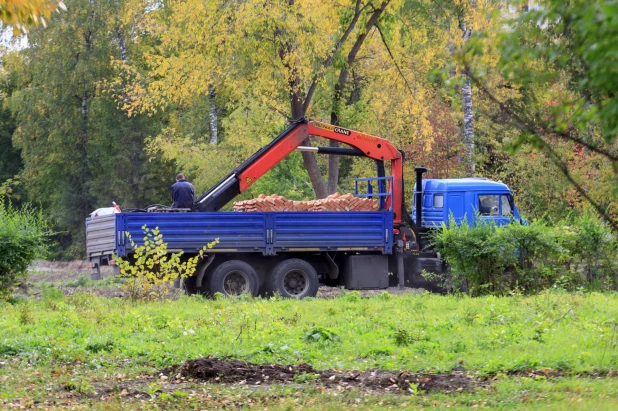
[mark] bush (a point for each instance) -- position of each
(477, 256)
(595, 251)
(152, 269)
(577, 252)
(22, 239)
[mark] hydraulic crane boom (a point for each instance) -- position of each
(291, 139)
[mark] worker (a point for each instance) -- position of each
(182, 193)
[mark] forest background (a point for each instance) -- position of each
(107, 100)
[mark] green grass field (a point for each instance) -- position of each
(552, 349)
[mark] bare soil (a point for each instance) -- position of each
(226, 371)
(63, 272)
(333, 292)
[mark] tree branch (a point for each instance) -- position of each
(390, 53)
(314, 83)
(562, 166)
(555, 158)
(281, 113)
(538, 131)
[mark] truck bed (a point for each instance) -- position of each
(266, 233)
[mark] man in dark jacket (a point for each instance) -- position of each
(182, 193)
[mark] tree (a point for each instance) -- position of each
(10, 157)
(274, 55)
(79, 151)
(10, 160)
(342, 82)
(555, 57)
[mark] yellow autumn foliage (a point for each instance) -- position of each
(21, 14)
(152, 268)
(256, 55)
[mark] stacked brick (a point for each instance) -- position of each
(334, 202)
(345, 202)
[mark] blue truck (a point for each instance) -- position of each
(473, 199)
(291, 253)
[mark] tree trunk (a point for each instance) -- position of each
(468, 109)
(214, 116)
(468, 133)
(298, 112)
(84, 110)
(123, 47)
(309, 159)
(299, 105)
(84, 199)
(333, 160)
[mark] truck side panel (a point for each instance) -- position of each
(267, 233)
(333, 230)
(237, 232)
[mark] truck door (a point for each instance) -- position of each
(455, 203)
(495, 207)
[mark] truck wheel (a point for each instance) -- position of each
(233, 278)
(294, 278)
(189, 286)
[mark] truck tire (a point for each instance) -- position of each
(233, 278)
(188, 285)
(294, 278)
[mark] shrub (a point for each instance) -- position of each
(476, 255)
(22, 239)
(577, 252)
(152, 269)
(403, 337)
(539, 255)
(100, 346)
(595, 251)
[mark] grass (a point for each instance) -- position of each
(77, 346)
(82, 281)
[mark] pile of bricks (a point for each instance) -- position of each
(334, 202)
(345, 202)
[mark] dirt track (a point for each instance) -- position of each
(74, 276)
(242, 372)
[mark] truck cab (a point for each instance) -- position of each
(465, 198)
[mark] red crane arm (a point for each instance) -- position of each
(373, 147)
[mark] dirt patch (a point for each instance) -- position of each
(334, 292)
(62, 271)
(242, 372)
(77, 265)
(67, 275)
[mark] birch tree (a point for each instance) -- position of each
(466, 92)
